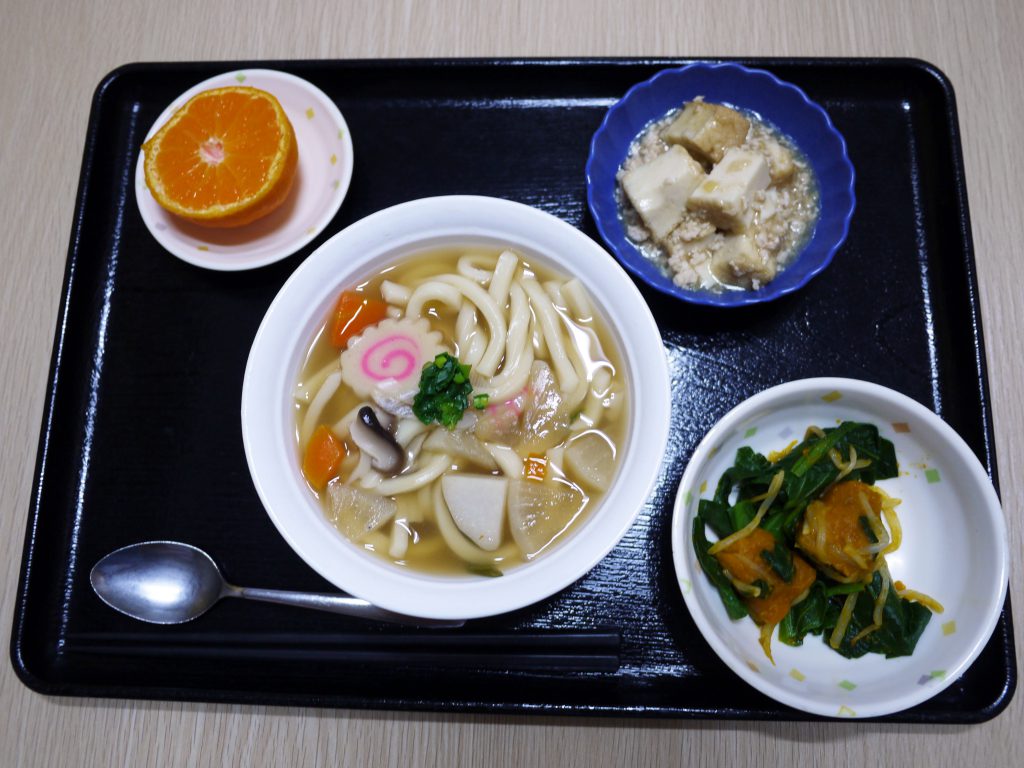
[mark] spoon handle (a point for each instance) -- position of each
(349, 606)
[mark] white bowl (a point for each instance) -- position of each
(954, 549)
(362, 250)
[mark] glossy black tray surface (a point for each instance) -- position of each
(141, 437)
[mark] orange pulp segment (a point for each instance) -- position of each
(225, 159)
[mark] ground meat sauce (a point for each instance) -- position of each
(700, 253)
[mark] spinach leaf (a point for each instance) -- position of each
(844, 589)
(783, 523)
(902, 624)
(748, 464)
(733, 605)
(817, 614)
(742, 514)
(774, 522)
(780, 560)
(806, 617)
(717, 516)
(819, 448)
(865, 526)
(870, 445)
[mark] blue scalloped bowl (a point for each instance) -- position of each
(782, 104)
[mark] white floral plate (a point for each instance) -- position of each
(954, 549)
(324, 173)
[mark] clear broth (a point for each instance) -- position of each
(428, 552)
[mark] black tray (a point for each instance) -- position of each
(141, 437)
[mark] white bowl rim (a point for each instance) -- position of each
(682, 522)
(377, 239)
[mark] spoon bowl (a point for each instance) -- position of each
(162, 582)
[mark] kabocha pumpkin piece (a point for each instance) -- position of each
(842, 530)
(768, 594)
(769, 601)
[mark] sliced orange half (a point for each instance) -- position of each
(225, 159)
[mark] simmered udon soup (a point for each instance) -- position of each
(461, 411)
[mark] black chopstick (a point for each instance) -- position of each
(577, 639)
(573, 662)
(571, 651)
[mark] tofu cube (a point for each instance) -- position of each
(725, 195)
(659, 189)
(780, 162)
(739, 263)
(707, 130)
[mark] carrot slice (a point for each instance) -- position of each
(535, 467)
(323, 458)
(352, 314)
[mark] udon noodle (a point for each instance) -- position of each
(461, 411)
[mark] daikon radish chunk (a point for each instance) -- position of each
(591, 459)
(477, 505)
(461, 443)
(539, 512)
(357, 513)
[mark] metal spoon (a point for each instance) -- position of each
(166, 582)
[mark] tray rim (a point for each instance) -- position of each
(37, 683)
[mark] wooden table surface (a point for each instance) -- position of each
(53, 55)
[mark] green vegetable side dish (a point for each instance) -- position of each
(805, 534)
(444, 392)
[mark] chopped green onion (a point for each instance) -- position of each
(444, 392)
